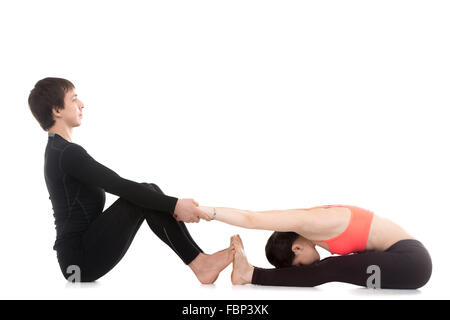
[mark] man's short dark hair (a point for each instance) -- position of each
(48, 94)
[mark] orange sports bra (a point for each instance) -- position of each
(354, 238)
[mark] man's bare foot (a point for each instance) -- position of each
(207, 267)
(242, 270)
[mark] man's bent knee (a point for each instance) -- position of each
(146, 184)
(152, 186)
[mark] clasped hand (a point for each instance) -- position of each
(187, 210)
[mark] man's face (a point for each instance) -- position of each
(72, 112)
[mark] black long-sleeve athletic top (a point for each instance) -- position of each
(76, 183)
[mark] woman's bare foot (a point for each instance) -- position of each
(208, 266)
(242, 270)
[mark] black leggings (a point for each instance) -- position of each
(95, 252)
(404, 265)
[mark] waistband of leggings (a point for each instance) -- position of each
(406, 243)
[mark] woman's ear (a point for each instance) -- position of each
(297, 247)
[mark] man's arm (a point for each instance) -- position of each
(76, 162)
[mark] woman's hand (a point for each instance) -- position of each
(209, 212)
(187, 210)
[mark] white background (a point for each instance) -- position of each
(246, 104)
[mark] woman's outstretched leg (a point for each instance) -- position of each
(405, 265)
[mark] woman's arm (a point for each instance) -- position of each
(274, 220)
(235, 217)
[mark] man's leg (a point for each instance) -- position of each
(110, 235)
(174, 233)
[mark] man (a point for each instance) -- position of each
(90, 241)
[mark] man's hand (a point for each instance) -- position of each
(187, 210)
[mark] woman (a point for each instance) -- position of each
(369, 247)
(90, 241)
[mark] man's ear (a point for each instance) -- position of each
(56, 112)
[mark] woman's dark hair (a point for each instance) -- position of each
(279, 248)
(48, 94)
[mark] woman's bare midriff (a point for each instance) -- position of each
(384, 233)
